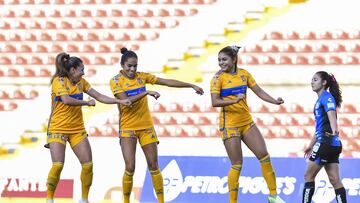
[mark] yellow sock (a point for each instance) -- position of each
(53, 179)
(86, 179)
(233, 182)
(158, 184)
(127, 184)
(268, 174)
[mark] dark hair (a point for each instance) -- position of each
(333, 86)
(126, 54)
(231, 51)
(64, 63)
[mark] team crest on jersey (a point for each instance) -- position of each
(67, 88)
(140, 81)
(243, 78)
(79, 87)
(61, 81)
(126, 84)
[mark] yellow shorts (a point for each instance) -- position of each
(145, 136)
(227, 133)
(62, 138)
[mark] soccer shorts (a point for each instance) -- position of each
(227, 133)
(324, 153)
(73, 138)
(145, 136)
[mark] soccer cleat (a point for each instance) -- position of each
(49, 201)
(83, 201)
(275, 199)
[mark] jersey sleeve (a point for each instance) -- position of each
(250, 80)
(329, 103)
(149, 78)
(215, 85)
(86, 85)
(59, 87)
(115, 86)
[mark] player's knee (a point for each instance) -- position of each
(334, 180)
(130, 167)
(309, 176)
(87, 173)
(54, 175)
(153, 165)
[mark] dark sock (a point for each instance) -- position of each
(308, 192)
(340, 195)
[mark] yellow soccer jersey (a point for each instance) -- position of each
(138, 116)
(229, 86)
(65, 118)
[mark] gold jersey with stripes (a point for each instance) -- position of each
(65, 118)
(229, 85)
(138, 116)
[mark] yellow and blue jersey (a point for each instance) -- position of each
(138, 116)
(229, 85)
(65, 118)
(325, 103)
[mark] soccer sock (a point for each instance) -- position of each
(157, 180)
(268, 174)
(86, 179)
(127, 184)
(233, 182)
(53, 179)
(308, 192)
(340, 195)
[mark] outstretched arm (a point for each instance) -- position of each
(218, 102)
(67, 100)
(137, 97)
(177, 83)
(265, 96)
(107, 100)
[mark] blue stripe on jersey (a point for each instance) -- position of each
(135, 91)
(325, 103)
(75, 96)
(233, 91)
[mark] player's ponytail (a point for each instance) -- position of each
(332, 85)
(126, 54)
(64, 63)
(231, 51)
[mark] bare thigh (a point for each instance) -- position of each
(311, 171)
(151, 154)
(255, 142)
(128, 148)
(57, 152)
(233, 149)
(83, 151)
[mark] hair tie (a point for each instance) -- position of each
(235, 48)
(332, 77)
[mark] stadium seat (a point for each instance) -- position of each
(341, 35)
(322, 48)
(44, 73)
(36, 60)
(318, 60)
(268, 60)
(4, 95)
(12, 72)
(324, 35)
(4, 25)
(29, 72)
(348, 108)
(9, 48)
(338, 48)
(287, 48)
(309, 36)
(41, 49)
(335, 60)
(293, 36)
(285, 60)
(157, 107)
(81, 25)
(274, 36)
(30, 37)
(18, 94)
(72, 48)
(21, 60)
(47, 37)
(50, 25)
(15, 37)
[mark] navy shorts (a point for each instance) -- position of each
(324, 153)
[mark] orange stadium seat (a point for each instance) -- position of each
(12, 72)
(268, 60)
(4, 95)
(355, 34)
(47, 37)
(321, 48)
(318, 60)
(2, 37)
(29, 72)
(39, 13)
(203, 120)
(30, 37)
(21, 60)
(85, 13)
(348, 108)
(44, 73)
(104, 48)
(51, 60)
(4, 25)
(335, 60)
(2, 108)
(175, 107)
(81, 25)
(325, 35)
(70, 13)
(41, 49)
(339, 48)
(309, 36)
(12, 106)
(24, 14)
(72, 48)
(114, 60)
(5, 60)
(15, 37)
(9, 48)
(34, 25)
(274, 36)
(114, 13)
(19, 25)
(36, 60)
(285, 60)
(163, 13)
(355, 48)
(293, 36)
(18, 94)
(9, 14)
(159, 107)
(301, 60)
(66, 25)
(341, 35)
(50, 25)
(2, 73)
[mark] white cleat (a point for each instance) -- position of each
(275, 199)
(83, 201)
(49, 201)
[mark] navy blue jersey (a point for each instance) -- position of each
(325, 103)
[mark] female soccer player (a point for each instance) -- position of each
(228, 91)
(66, 121)
(325, 147)
(136, 122)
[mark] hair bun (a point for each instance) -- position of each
(235, 48)
(123, 50)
